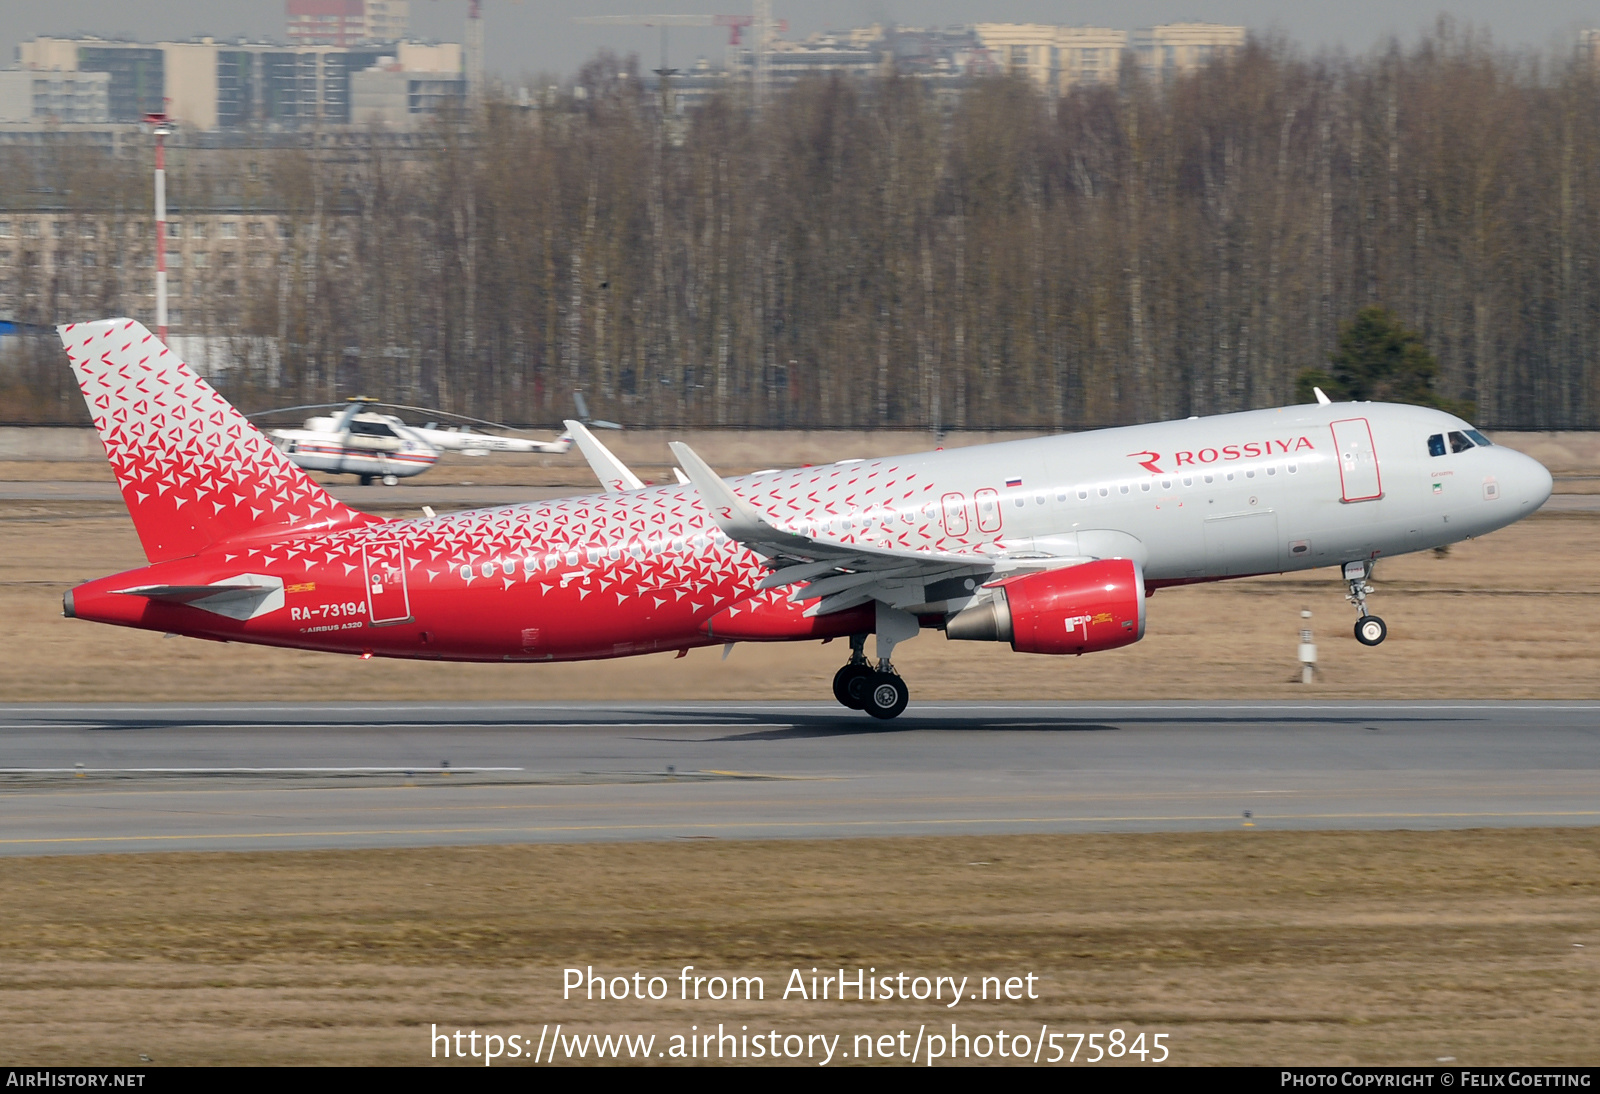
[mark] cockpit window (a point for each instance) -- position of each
(1478, 438)
(1436, 445)
(370, 429)
(1458, 441)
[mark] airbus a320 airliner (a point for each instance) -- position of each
(1051, 545)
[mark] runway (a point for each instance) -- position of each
(81, 779)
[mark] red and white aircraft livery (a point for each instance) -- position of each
(1051, 545)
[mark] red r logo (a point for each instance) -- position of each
(1149, 462)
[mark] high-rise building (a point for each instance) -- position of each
(346, 23)
(55, 97)
(1055, 57)
(1088, 55)
(1589, 46)
(1026, 49)
(1176, 48)
(389, 94)
(206, 84)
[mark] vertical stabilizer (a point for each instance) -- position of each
(192, 470)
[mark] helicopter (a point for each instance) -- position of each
(362, 441)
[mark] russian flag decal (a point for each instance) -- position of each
(1012, 484)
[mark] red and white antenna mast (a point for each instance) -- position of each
(161, 125)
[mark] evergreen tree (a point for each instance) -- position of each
(1379, 359)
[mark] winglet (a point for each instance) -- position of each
(612, 472)
(1322, 397)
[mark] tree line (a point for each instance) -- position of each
(856, 254)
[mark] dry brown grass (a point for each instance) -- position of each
(1512, 615)
(1248, 947)
(1251, 947)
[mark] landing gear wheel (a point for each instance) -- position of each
(850, 684)
(391, 480)
(886, 695)
(366, 480)
(1370, 630)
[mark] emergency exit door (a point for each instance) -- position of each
(387, 599)
(1358, 460)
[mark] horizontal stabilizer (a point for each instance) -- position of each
(243, 596)
(186, 594)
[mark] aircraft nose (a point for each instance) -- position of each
(1526, 482)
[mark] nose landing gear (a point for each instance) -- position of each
(1370, 630)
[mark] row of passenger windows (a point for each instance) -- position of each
(593, 554)
(1459, 440)
(639, 549)
(1147, 486)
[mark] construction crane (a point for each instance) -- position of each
(474, 48)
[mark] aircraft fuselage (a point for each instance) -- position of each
(647, 570)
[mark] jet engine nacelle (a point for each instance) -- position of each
(1079, 609)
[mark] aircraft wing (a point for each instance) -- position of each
(840, 575)
(612, 472)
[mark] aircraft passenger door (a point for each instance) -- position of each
(1358, 460)
(387, 599)
(955, 514)
(988, 503)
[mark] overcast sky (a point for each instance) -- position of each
(539, 36)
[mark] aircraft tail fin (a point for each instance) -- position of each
(192, 469)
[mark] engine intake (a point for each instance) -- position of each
(1080, 609)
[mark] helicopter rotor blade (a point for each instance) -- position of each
(407, 406)
(460, 417)
(289, 409)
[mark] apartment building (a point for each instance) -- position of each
(1178, 48)
(390, 95)
(1025, 49)
(346, 23)
(1061, 57)
(55, 263)
(1088, 55)
(54, 98)
(207, 84)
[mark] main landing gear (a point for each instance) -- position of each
(878, 691)
(1370, 630)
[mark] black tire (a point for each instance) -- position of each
(850, 685)
(1371, 631)
(887, 695)
(366, 480)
